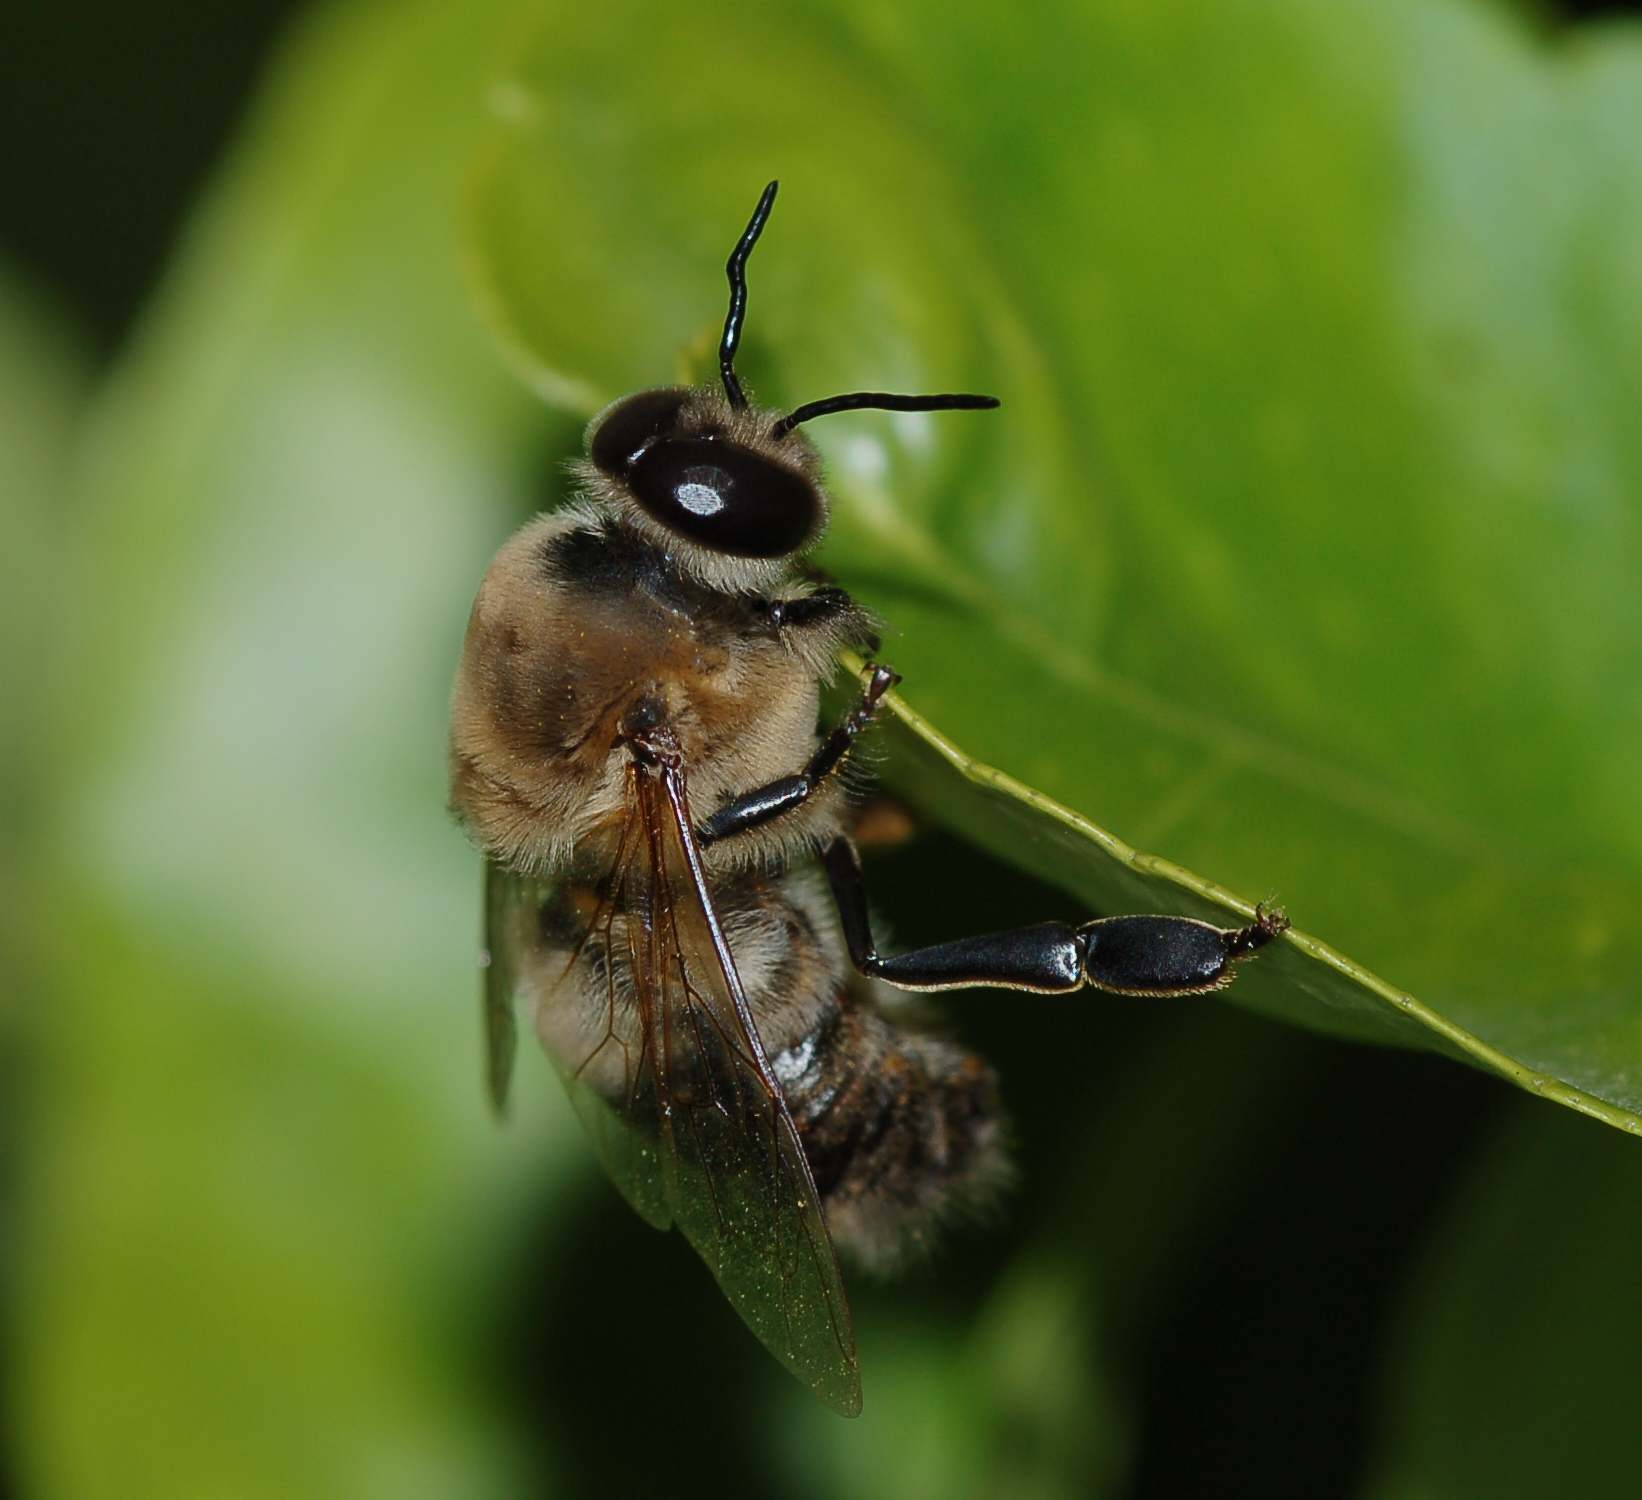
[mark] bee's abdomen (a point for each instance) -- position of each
(902, 1130)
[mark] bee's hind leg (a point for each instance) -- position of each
(1128, 955)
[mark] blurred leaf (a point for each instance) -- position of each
(1305, 546)
(266, 1208)
(1003, 1403)
(44, 380)
(1513, 1369)
(266, 1212)
(43, 385)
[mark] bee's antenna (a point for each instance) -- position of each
(880, 401)
(736, 270)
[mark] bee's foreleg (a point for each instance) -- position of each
(828, 609)
(1129, 955)
(761, 804)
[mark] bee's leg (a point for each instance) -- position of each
(828, 608)
(821, 607)
(762, 803)
(1129, 955)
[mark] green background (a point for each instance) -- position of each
(1302, 554)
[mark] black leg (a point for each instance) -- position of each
(828, 608)
(822, 607)
(1127, 955)
(751, 809)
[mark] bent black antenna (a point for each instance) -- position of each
(880, 401)
(736, 270)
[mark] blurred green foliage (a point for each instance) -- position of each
(44, 382)
(1514, 1362)
(1302, 553)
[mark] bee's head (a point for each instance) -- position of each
(717, 473)
(709, 473)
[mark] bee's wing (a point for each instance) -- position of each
(508, 901)
(514, 971)
(689, 1119)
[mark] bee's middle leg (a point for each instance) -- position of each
(754, 808)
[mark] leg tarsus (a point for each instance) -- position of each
(1269, 922)
(752, 809)
(837, 744)
(1172, 955)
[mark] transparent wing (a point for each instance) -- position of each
(516, 968)
(507, 897)
(673, 1085)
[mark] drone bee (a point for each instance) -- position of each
(634, 748)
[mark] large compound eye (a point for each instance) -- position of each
(725, 497)
(632, 425)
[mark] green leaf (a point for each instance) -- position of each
(1301, 980)
(43, 386)
(1512, 1366)
(1001, 1401)
(1305, 545)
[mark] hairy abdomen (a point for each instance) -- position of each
(902, 1130)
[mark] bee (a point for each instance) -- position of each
(670, 884)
